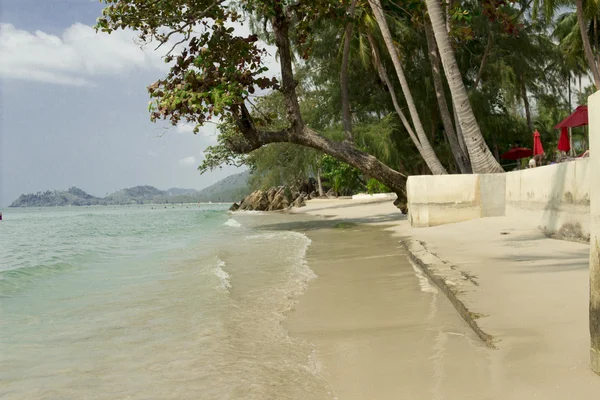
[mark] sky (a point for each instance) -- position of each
(74, 107)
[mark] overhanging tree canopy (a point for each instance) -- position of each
(217, 70)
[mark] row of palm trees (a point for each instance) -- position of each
(576, 31)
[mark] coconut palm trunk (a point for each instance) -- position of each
(587, 47)
(481, 157)
(427, 152)
(462, 161)
(388, 83)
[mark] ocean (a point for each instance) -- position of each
(151, 302)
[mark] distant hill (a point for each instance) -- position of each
(227, 190)
(74, 196)
(232, 188)
(179, 191)
(136, 195)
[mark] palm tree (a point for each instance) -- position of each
(461, 158)
(368, 28)
(426, 150)
(567, 33)
(589, 54)
(585, 10)
(481, 157)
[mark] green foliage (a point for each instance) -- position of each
(505, 57)
(374, 186)
(214, 73)
(221, 154)
(343, 178)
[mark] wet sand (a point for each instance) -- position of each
(381, 330)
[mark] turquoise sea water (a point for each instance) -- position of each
(150, 302)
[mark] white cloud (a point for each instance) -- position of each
(188, 161)
(80, 54)
(73, 58)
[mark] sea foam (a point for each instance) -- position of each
(233, 223)
(223, 276)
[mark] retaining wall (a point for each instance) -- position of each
(444, 199)
(555, 198)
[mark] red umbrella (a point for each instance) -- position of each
(517, 153)
(563, 142)
(578, 118)
(537, 144)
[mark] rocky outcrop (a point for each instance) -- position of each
(276, 198)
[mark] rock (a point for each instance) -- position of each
(273, 199)
(271, 194)
(307, 186)
(299, 202)
(256, 201)
(280, 200)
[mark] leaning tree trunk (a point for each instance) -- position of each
(297, 132)
(589, 54)
(461, 160)
(346, 117)
(428, 154)
(386, 80)
(459, 133)
(481, 157)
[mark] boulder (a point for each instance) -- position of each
(271, 194)
(299, 202)
(307, 186)
(280, 200)
(256, 201)
(273, 199)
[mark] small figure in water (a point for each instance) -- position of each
(0, 216)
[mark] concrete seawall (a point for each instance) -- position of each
(554, 198)
(444, 199)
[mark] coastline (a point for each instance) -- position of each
(525, 364)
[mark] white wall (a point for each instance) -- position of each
(554, 198)
(444, 199)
